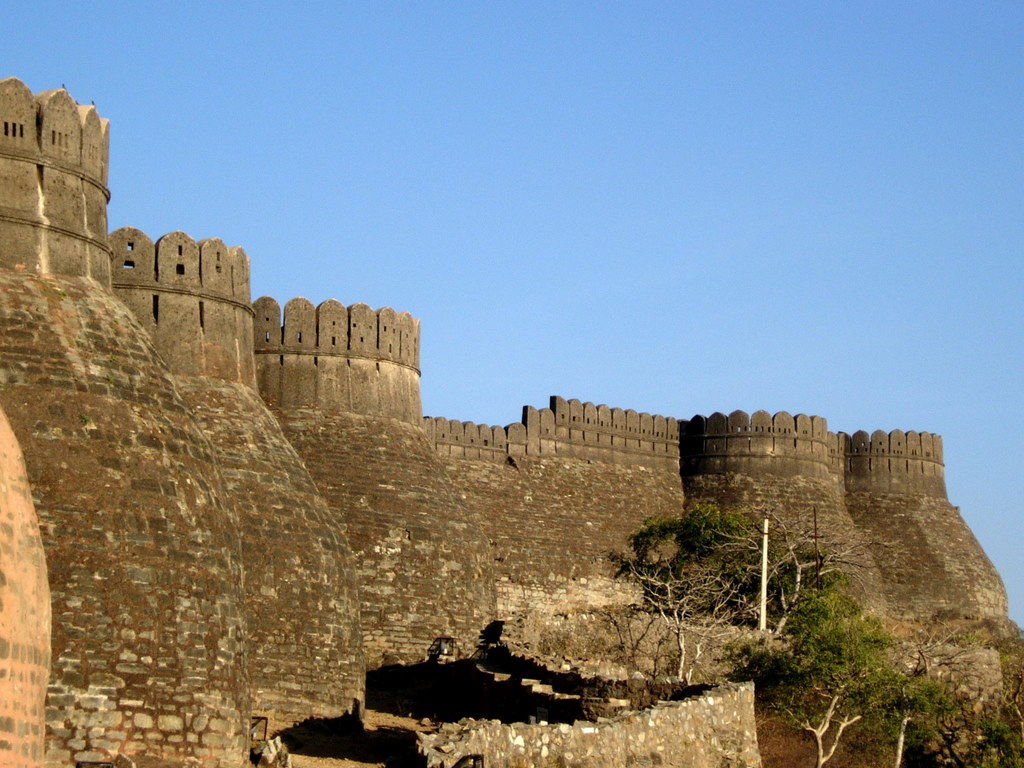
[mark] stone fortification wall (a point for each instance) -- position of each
(145, 574)
(53, 173)
(760, 445)
(300, 602)
(337, 358)
(422, 559)
(558, 491)
(934, 567)
(191, 297)
(569, 428)
(551, 523)
(894, 462)
(712, 730)
(24, 614)
(789, 465)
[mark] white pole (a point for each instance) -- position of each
(762, 623)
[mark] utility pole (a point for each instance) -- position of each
(762, 622)
(817, 553)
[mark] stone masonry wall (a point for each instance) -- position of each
(191, 297)
(568, 429)
(301, 608)
(336, 358)
(142, 552)
(713, 730)
(422, 558)
(24, 614)
(551, 523)
(934, 568)
(305, 648)
(53, 173)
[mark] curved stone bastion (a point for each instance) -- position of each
(345, 385)
(301, 607)
(24, 613)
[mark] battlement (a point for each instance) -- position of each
(568, 428)
(894, 462)
(759, 444)
(468, 440)
(333, 357)
(191, 296)
(54, 158)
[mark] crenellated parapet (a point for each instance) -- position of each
(193, 299)
(336, 358)
(761, 444)
(894, 462)
(53, 171)
(569, 428)
(467, 440)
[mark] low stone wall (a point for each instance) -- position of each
(713, 730)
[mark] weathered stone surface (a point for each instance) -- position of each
(421, 554)
(305, 654)
(143, 554)
(53, 174)
(551, 523)
(713, 730)
(24, 614)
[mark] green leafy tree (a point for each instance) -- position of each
(827, 671)
(694, 573)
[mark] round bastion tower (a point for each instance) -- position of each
(345, 381)
(53, 173)
(301, 607)
(789, 465)
(141, 549)
(896, 493)
(24, 613)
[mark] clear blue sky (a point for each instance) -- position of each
(673, 207)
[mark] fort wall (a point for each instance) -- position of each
(300, 605)
(24, 614)
(760, 444)
(53, 170)
(336, 358)
(710, 729)
(191, 297)
(568, 429)
(422, 557)
(894, 462)
(142, 550)
(935, 569)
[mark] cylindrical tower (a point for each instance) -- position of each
(53, 173)
(934, 568)
(339, 359)
(346, 385)
(783, 463)
(301, 606)
(142, 552)
(24, 613)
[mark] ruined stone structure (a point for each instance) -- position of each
(713, 729)
(300, 604)
(24, 613)
(241, 508)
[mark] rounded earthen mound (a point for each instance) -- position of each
(24, 613)
(142, 553)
